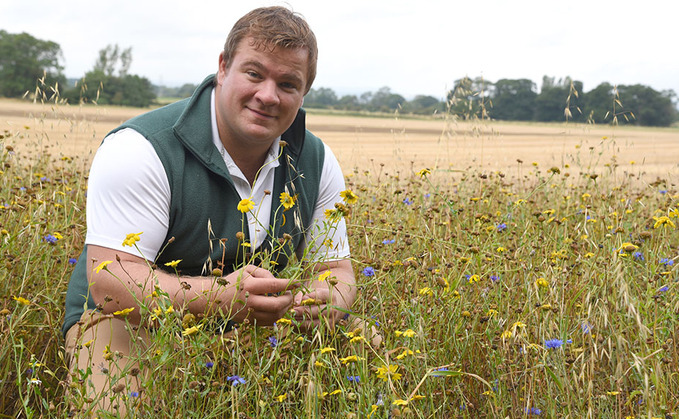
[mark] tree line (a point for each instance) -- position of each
(25, 60)
(520, 100)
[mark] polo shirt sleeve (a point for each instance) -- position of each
(324, 241)
(128, 192)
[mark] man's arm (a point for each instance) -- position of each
(338, 289)
(129, 281)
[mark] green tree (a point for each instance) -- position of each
(599, 103)
(25, 59)
(559, 100)
(423, 105)
(514, 100)
(322, 97)
(470, 98)
(109, 83)
(649, 107)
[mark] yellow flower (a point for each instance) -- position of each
(174, 263)
(474, 278)
(281, 398)
(21, 300)
(309, 302)
(350, 358)
(423, 173)
(102, 265)
(541, 282)
(408, 333)
(58, 235)
(132, 238)
(349, 197)
(124, 312)
(245, 205)
(506, 334)
(388, 371)
(405, 353)
(426, 291)
(287, 201)
(663, 220)
(191, 330)
(108, 355)
(327, 349)
(322, 277)
(400, 402)
(284, 321)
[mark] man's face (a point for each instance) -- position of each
(259, 93)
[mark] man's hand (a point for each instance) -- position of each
(338, 289)
(255, 294)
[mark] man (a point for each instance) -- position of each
(201, 179)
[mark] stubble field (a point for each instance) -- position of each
(511, 270)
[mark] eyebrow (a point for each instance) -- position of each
(291, 76)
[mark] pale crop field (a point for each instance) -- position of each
(510, 270)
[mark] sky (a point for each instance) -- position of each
(411, 47)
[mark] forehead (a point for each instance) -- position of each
(295, 57)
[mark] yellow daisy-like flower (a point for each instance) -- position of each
(349, 197)
(21, 300)
(287, 201)
(542, 282)
(408, 333)
(349, 359)
(283, 321)
(309, 302)
(327, 349)
(426, 291)
(124, 312)
(322, 277)
(663, 221)
(132, 238)
(245, 205)
(191, 330)
(400, 402)
(405, 353)
(102, 265)
(281, 398)
(506, 334)
(474, 278)
(174, 263)
(423, 173)
(387, 371)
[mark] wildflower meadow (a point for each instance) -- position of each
(542, 291)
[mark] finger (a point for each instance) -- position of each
(278, 304)
(265, 285)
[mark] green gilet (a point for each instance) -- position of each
(204, 218)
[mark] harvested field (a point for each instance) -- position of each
(400, 144)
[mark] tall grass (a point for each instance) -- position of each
(545, 292)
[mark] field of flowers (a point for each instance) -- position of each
(551, 291)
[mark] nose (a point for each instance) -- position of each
(268, 93)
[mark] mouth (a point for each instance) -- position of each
(261, 114)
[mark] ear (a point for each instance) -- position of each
(222, 68)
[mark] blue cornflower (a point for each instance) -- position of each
(235, 380)
(663, 191)
(427, 195)
(368, 271)
(29, 371)
(387, 241)
(664, 289)
(22, 189)
(209, 364)
(501, 227)
(49, 239)
(667, 261)
(553, 343)
(443, 369)
(72, 261)
(273, 341)
(586, 327)
(354, 378)
(638, 256)
(533, 411)
(134, 394)
(494, 278)
(407, 201)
